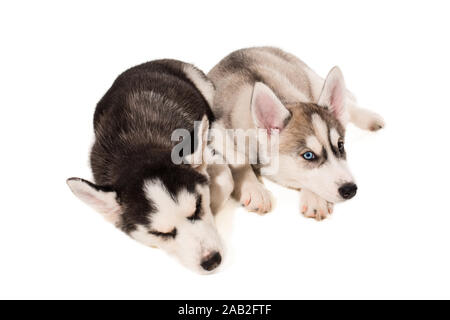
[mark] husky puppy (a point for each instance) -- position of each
(269, 89)
(137, 186)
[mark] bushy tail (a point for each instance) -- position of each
(363, 118)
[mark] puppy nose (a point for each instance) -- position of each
(348, 190)
(211, 261)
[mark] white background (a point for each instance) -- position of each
(391, 241)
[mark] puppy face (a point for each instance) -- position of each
(176, 218)
(163, 205)
(182, 224)
(312, 153)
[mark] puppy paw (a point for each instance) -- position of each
(255, 197)
(313, 206)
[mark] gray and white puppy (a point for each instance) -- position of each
(270, 89)
(137, 186)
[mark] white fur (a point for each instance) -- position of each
(324, 180)
(194, 240)
(255, 196)
(291, 81)
(170, 210)
(242, 117)
(320, 128)
(205, 86)
(313, 143)
(363, 118)
(221, 185)
(313, 206)
(198, 159)
(103, 202)
(334, 136)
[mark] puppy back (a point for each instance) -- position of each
(134, 120)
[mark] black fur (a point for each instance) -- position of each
(198, 210)
(133, 124)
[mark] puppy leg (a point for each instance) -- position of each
(363, 118)
(249, 190)
(313, 206)
(221, 185)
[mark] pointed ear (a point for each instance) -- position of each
(198, 159)
(102, 199)
(267, 110)
(333, 94)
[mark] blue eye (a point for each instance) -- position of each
(309, 156)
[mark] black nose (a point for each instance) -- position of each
(348, 190)
(211, 261)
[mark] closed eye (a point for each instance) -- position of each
(165, 235)
(198, 211)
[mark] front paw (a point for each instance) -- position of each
(255, 197)
(313, 206)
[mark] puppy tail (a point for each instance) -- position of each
(364, 118)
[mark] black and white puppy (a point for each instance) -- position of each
(137, 186)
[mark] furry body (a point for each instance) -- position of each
(270, 89)
(137, 185)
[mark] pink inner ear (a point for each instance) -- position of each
(337, 100)
(268, 112)
(88, 197)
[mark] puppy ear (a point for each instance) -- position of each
(199, 157)
(102, 199)
(333, 94)
(267, 110)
